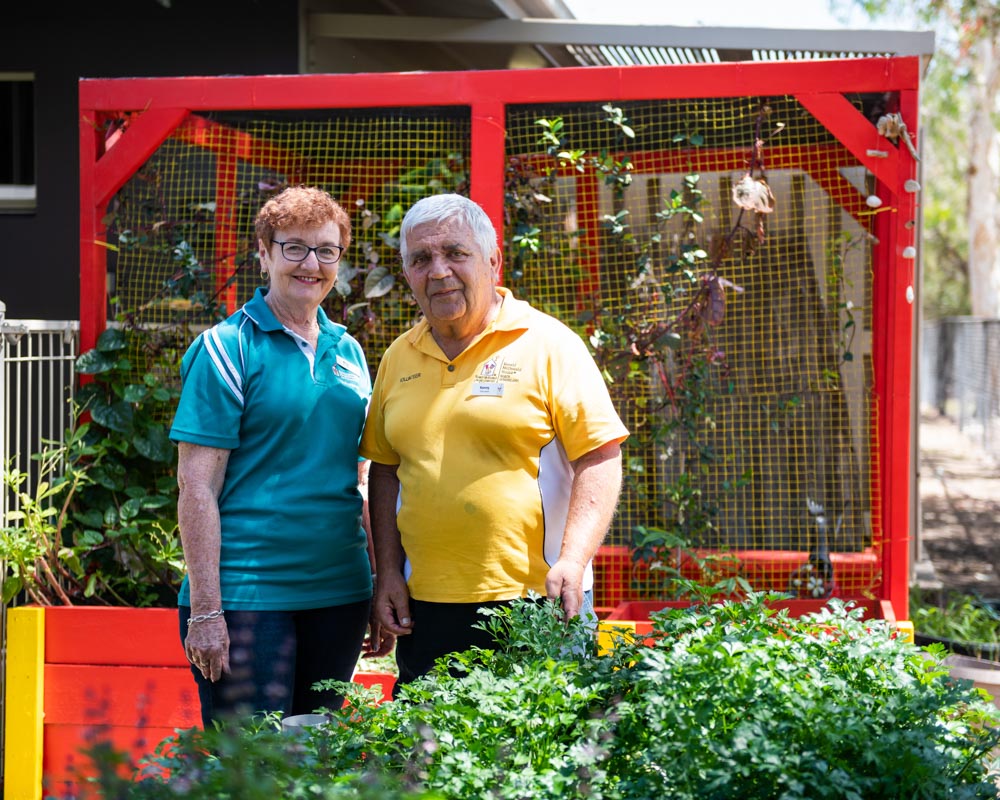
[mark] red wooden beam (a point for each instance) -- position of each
(145, 132)
(79, 635)
(218, 138)
(858, 134)
(574, 84)
(93, 257)
(486, 170)
(900, 297)
(226, 233)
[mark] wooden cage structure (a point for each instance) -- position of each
(835, 277)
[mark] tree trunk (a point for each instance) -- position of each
(984, 179)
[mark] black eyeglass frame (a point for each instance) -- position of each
(336, 247)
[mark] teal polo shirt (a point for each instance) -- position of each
(291, 419)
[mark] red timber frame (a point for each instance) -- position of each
(156, 107)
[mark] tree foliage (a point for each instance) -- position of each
(959, 99)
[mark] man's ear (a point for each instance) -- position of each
(496, 264)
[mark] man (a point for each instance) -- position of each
(495, 448)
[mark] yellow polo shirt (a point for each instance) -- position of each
(484, 445)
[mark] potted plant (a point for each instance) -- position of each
(960, 622)
(967, 628)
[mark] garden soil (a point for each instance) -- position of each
(959, 486)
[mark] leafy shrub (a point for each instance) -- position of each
(101, 525)
(727, 700)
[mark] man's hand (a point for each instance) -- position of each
(565, 582)
(392, 605)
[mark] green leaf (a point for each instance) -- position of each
(90, 538)
(90, 518)
(135, 393)
(670, 339)
(116, 416)
(12, 586)
(379, 282)
(94, 362)
(155, 445)
(155, 501)
(110, 475)
(111, 340)
(166, 484)
(129, 509)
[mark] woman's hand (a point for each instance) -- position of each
(207, 647)
(379, 641)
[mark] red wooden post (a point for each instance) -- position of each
(486, 172)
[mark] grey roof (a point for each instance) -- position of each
(481, 33)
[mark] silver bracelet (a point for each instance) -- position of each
(205, 617)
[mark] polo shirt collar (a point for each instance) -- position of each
(514, 315)
(261, 315)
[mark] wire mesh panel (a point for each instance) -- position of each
(782, 421)
(184, 224)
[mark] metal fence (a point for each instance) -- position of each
(36, 387)
(37, 381)
(960, 376)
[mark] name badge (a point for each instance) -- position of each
(487, 390)
(343, 363)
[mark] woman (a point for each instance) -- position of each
(279, 567)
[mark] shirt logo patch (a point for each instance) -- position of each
(490, 370)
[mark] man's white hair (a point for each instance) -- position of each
(441, 207)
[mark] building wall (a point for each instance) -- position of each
(61, 43)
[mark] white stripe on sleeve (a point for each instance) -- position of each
(229, 374)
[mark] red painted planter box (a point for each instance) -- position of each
(385, 680)
(117, 675)
(618, 579)
(111, 674)
(639, 610)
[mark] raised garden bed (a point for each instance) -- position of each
(77, 675)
